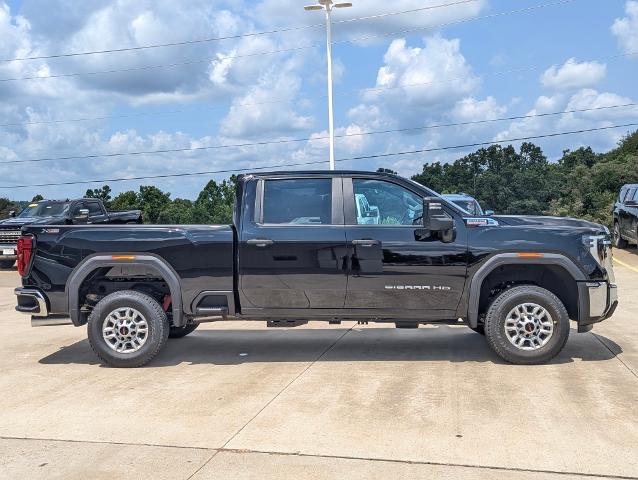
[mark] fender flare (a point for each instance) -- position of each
(92, 262)
(501, 259)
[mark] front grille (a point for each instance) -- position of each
(9, 236)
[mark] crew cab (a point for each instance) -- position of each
(323, 245)
(626, 216)
(57, 212)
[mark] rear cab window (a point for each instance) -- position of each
(298, 201)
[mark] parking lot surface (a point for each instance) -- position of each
(238, 400)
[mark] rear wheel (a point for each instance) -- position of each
(6, 264)
(179, 332)
(619, 242)
(527, 325)
(127, 329)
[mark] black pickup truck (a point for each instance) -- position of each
(626, 216)
(325, 246)
(57, 212)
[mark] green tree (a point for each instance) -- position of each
(6, 206)
(37, 198)
(103, 194)
(215, 202)
(178, 212)
(126, 201)
(152, 201)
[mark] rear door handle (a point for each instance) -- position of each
(260, 242)
(366, 242)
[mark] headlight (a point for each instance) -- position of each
(599, 246)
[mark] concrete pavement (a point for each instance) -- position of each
(237, 400)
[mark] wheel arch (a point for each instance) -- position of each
(515, 260)
(97, 261)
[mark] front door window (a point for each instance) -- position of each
(384, 203)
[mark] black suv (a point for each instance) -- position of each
(626, 216)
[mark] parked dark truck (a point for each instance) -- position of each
(325, 246)
(57, 212)
(626, 216)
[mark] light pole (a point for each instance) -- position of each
(328, 5)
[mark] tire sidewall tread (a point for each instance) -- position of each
(501, 306)
(157, 323)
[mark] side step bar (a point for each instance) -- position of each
(50, 321)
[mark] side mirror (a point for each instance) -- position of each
(488, 213)
(434, 218)
(12, 213)
(83, 215)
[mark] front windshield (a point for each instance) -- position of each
(44, 210)
(470, 206)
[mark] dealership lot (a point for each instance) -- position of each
(238, 400)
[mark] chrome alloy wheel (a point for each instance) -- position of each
(529, 326)
(125, 330)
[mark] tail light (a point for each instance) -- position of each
(24, 253)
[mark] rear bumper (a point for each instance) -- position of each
(33, 302)
(597, 302)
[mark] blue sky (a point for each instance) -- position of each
(565, 56)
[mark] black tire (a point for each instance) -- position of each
(619, 242)
(180, 332)
(480, 329)
(6, 264)
(148, 308)
(498, 339)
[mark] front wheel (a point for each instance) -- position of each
(127, 329)
(619, 242)
(527, 325)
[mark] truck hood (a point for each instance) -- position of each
(20, 222)
(516, 220)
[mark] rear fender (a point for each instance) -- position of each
(93, 262)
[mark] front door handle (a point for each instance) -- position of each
(366, 242)
(260, 242)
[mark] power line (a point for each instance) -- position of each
(229, 37)
(413, 10)
(301, 47)
(457, 22)
(286, 99)
(365, 157)
(162, 65)
(163, 45)
(305, 139)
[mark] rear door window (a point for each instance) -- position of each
(94, 209)
(298, 201)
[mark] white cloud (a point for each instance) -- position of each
(272, 105)
(626, 29)
(279, 13)
(416, 81)
(470, 109)
(573, 75)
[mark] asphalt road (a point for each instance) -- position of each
(237, 400)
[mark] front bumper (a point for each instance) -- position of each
(597, 302)
(4, 252)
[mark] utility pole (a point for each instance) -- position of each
(328, 5)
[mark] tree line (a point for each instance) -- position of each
(581, 184)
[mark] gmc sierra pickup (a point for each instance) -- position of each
(57, 212)
(326, 246)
